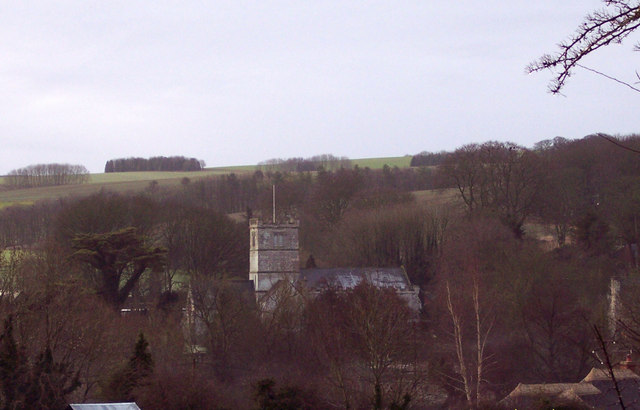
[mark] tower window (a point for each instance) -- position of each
(278, 240)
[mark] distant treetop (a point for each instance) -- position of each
(176, 163)
(425, 159)
(328, 162)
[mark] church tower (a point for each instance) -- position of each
(273, 253)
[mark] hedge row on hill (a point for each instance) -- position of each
(176, 163)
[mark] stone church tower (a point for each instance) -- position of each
(273, 253)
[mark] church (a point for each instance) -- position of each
(274, 262)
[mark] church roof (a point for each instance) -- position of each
(349, 278)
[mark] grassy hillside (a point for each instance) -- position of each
(117, 181)
(378, 163)
(137, 181)
(119, 177)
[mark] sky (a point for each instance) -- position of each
(239, 82)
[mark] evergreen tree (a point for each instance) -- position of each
(119, 259)
(43, 384)
(50, 383)
(13, 367)
(140, 366)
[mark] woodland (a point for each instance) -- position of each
(513, 250)
(175, 163)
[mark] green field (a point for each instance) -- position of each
(119, 177)
(137, 181)
(378, 163)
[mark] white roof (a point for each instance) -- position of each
(105, 406)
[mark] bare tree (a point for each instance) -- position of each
(47, 175)
(470, 351)
(329, 346)
(409, 236)
(333, 194)
(554, 325)
(223, 309)
(52, 311)
(203, 242)
(366, 342)
(502, 178)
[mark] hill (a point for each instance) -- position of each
(138, 181)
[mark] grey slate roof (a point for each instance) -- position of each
(349, 278)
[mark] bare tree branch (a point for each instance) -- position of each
(600, 28)
(609, 364)
(617, 143)
(609, 77)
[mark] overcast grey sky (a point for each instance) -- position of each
(238, 82)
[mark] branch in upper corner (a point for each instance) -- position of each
(600, 28)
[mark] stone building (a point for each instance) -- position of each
(275, 261)
(273, 254)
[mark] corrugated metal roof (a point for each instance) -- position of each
(105, 406)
